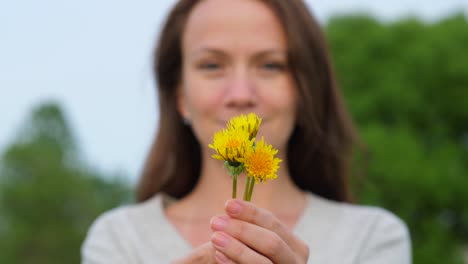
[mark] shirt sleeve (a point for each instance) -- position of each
(104, 243)
(388, 243)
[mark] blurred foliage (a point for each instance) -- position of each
(406, 85)
(48, 196)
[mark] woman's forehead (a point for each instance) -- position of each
(233, 24)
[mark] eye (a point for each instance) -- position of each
(210, 66)
(273, 66)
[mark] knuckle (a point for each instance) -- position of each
(270, 221)
(275, 225)
(238, 252)
(255, 213)
(306, 251)
(238, 229)
(302, 248)
(273, 246)
(302, 251)
(269, 214)
(241, 230)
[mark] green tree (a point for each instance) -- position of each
(406, 84)
(48, 195)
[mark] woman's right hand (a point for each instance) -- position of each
(201, 254)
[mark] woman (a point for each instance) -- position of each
(217, 59)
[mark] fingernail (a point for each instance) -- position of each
(219, 222)
(220, 257)
(219, 239)
(234, 207)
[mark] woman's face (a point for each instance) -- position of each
(235, 61)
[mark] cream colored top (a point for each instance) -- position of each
(337, 233)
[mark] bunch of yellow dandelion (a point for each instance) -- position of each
(250, 123)
(236, 146)
(230, 145)
(260, 164)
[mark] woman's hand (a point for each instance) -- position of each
(249, 234)
(203, 254)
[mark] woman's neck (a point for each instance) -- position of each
(280, 196)
(191, 214)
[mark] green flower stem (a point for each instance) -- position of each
(252, 184)
(234, 169)
(247, 187)
(234, 186)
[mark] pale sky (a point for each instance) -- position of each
(95, 58)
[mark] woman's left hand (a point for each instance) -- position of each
(248, 234)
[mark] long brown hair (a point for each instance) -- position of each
(320, 146)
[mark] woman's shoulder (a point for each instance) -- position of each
(352, 218)
(137, 212)
(354, 214)
(123, 233)
(360, 232)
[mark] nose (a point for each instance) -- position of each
(240, 92)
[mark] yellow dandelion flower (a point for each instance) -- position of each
(260, 162)
(231, 145)
(250, 123)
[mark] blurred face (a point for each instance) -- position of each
(235, 61)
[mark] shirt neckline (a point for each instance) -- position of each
(171, 231)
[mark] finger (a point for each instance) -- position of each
(248, 212)
(264, 241)
(235, 251)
